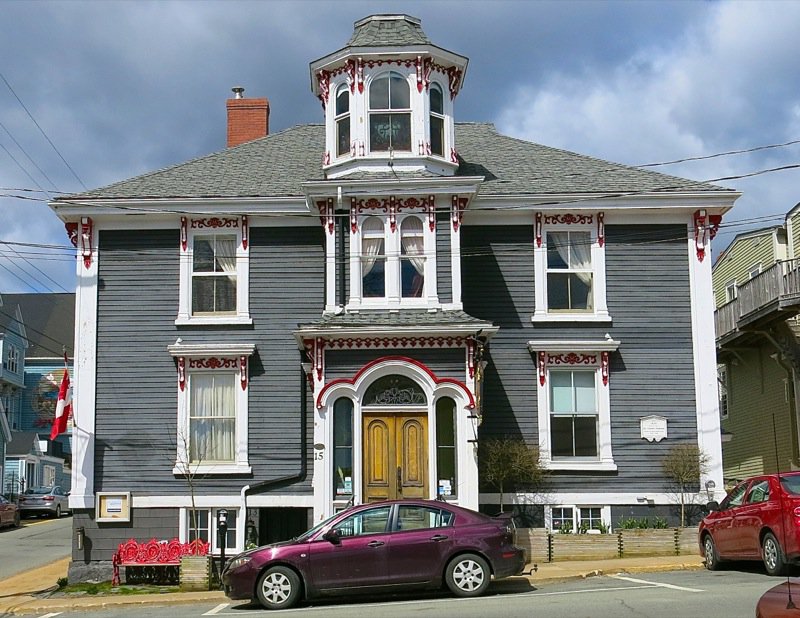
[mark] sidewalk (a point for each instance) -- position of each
(18, 593)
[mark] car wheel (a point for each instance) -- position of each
(772, 555)
(58, 511)
(16, 519)
(278, 588)
(710, 550)
(467, 575)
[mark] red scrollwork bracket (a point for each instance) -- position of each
(243, 371)
(181, 373)
(86, 241)
(542, 367)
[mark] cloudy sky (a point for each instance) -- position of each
(95, 92)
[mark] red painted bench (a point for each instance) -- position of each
(154, 553)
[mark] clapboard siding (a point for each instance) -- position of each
(137, 401)
(444, 362)
(652, 372)
(444, 268)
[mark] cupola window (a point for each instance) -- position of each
(342, 121)
(437, 120)
(389, 114)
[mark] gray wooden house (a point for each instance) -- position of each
(341, 312)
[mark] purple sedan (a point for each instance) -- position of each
(379, 547)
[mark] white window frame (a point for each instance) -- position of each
(185, 355)
(48, 475)
(554, 350)
(542, 312)
(731, 291)
(754, 271)
(342, 88)
(393, 298)
(213, 536)
(605, 516)
(12, 359)
(200, 227)
(440, 116)
(408, 111)
(723, 390)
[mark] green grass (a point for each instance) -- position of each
(105, 588)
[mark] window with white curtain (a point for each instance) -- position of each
(570, 273)
(214, 274)
(212, 417)
(393, 265)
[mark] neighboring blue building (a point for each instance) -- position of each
(46, 323)
(341, 312)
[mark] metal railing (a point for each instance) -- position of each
(780, 281)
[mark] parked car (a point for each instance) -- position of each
(781, 601)
(52, 501)
(392, 545)
(9, 513)
(758, 520)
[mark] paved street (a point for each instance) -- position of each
(674, 594)
(37, 542)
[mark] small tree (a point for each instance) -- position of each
(510, 462)
(684, 464)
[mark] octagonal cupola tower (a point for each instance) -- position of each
(388, 100)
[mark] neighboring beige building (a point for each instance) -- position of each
(757, 293)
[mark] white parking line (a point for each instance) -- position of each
(51, 614)
(216, 610)
(660, 585)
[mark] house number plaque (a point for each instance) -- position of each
(653, 428)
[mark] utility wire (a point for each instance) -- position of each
(28, 156)
(38, 332)
(49, 141)
(722, 154)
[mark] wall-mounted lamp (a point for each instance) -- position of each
(710, 485)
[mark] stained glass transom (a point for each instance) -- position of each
(394, 390)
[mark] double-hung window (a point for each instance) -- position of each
(343, 121)
(389, 113)
(212, 430)
(214, 272)
(392, 264)
(436, 119)
(569, 261)
(573, 403)
(201, 524)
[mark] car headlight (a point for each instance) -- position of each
(238, 562)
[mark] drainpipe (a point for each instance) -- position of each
(299, 476)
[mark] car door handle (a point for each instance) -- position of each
(375, 543)
(439, 537)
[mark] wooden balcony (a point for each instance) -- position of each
(771, 296)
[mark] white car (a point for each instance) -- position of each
(52, 501)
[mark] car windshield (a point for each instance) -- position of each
(309, 533)
(40, 491)
(791, 484)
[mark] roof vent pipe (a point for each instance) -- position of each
(238, 92)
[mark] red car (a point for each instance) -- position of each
(758, 520)
(9, 513)
(379, 547)
(781, 601)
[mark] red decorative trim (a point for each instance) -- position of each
(714, 222)
(572, 358)
(361, 148)
(437, 380)
(457, 206)
(153, 552)
(601, 228)
(542, 367)
(393, 214)
(360, 75)
(395, 342)
(430, 206)
(245, 231)
(453, 155)
(324, 81)
(72, 232)
(181, 372)
(86, 241)
(353, 216)
(388, 204)
(315, 349)
(213, 362)
(568, 219)
(538, 229)
(700, 233)
(326, 213)
(471, 357)
(353, 148)
(420, 82)
(453, 77)
(215, 222)
(350, 69)
(326, 158)
(604, 367)
(243, 371)
(184, 234)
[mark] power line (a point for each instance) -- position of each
(39, 270)
(38, 332)
(49, 141)
(721, 154)
(28, 156)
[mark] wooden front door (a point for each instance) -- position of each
(395, 456)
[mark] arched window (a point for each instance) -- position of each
(412, 258)
(342, 120)
(343, 447)
(446, 446)
(394, 390)
(373, 258)
(437, 120)
(389, 113)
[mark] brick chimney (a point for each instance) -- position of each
(248, 119)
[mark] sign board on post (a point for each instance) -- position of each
(113, 506)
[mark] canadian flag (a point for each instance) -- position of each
(63, 407)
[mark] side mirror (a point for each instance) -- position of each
(712, 506)
(332, 536)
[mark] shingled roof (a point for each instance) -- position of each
(388, 31)
(277, 165)
(49, 322)
(405, 318)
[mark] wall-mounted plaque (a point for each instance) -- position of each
(653, 428)
(113, 506)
